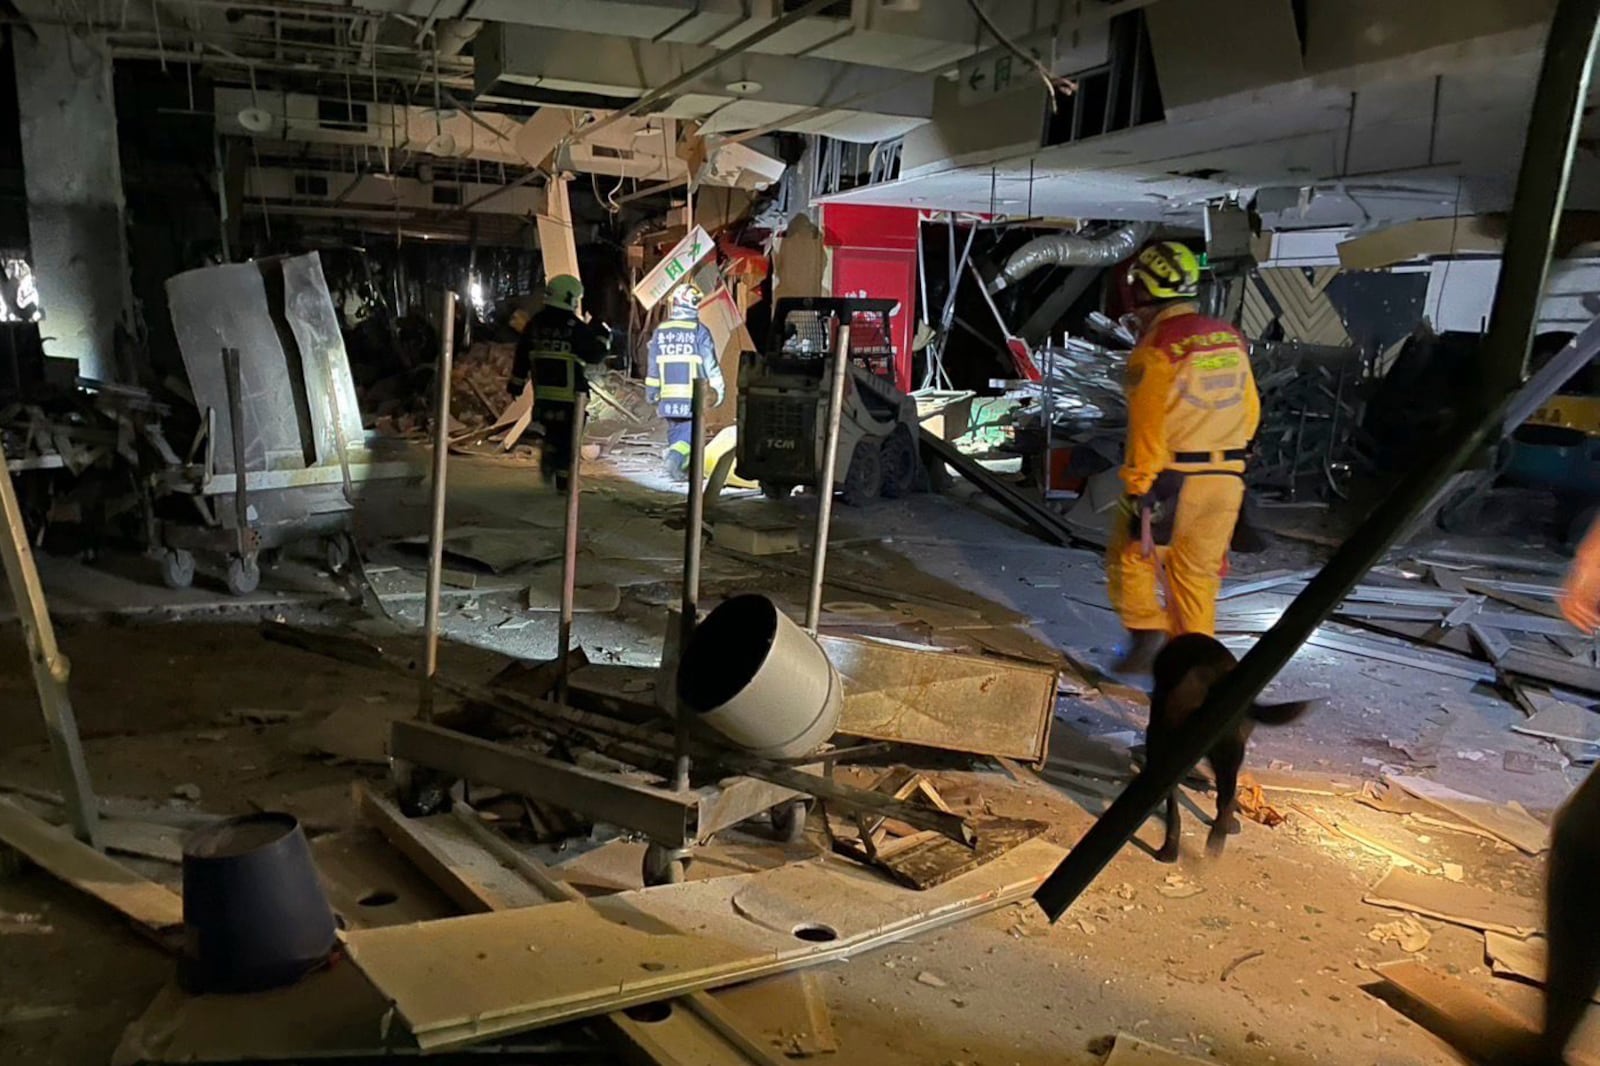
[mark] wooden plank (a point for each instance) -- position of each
(1464, 1018)
(142, 901)
(788, 1009)
(1512, 957)
(694, 1028)
(1458, 904)
(1511, 824)
(940, 699)
(465, 979)
(474, 880)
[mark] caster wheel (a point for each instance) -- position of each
(424, 792)
(776, 490)
(789, 821)
(336, 554)
(662, 866)
(177, 568)
(12, 862)
(244, 575)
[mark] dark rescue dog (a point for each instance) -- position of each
(1184, 672)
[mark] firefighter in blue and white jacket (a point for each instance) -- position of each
(681, 349)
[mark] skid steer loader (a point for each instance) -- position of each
(784, 394)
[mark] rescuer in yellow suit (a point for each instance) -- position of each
(1192, 411)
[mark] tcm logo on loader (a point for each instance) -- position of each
(781, 444)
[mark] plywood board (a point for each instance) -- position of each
(1560, 720)
(370, 884)
(1459, 904)
(1527, 959)
(1511, 824)
(943, 700)
(442, 849)
(460, 980)
(789, 1010)
(64, 856)
(1460, 1015)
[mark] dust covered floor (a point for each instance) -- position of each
(1260, 956)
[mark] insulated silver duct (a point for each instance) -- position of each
(1067, 249)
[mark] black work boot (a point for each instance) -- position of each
(1139, 651)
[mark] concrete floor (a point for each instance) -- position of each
(156, 674)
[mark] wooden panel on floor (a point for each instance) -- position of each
(1512, 824)
(1460, 1015)
(789, 1010)
(464, 979)
(149, 905)
(938, 699)
(441, 848)
(1512, 957)
(1459, 904)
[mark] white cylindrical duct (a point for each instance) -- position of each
(1067, 249)
(760, 680)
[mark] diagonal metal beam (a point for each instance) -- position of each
(1541, 193)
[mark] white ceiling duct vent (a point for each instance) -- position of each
(256, 119)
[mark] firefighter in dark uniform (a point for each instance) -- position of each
(555, 346)
(681, 350)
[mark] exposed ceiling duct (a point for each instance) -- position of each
(924, 35)
(522, 64)
(1066, 249)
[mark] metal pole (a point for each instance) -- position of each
(569, 556)
(693, 522)
(830, 461)
(1541, 192)
(50, 668)
(441, 457)
(233, 382)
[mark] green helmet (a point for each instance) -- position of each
(563, 290)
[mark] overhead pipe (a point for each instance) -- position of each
(1069, 249)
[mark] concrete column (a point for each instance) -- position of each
(73, 180)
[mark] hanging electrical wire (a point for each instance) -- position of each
(1052, 83)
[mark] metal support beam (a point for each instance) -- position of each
(1036, 329)
(1541, 192)
(50, 669)
(569, 554)
(830, 463)
(441, 464)
(694, 521)
(666, 817)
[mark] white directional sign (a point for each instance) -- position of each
(683, 258)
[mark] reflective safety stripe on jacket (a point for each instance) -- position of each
(555, 377)
(1192, 402)
(680, 352)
